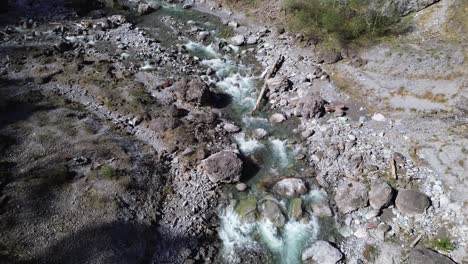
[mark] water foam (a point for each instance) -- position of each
(280, 152)
(247, 146)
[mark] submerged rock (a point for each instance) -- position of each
(412, 202)
(247, 210)
(427, 256)
(351, 196)
(271, 211)
(290, 187)
(295, 208)
(224, 166)
(322, 252)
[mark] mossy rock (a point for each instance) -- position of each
(295, 208)
(247, 209)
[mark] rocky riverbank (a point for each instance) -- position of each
(124, 132)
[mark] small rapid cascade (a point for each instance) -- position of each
(243, 224)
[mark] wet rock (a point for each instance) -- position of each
(237, 40)
(259, 133)
(427, 256)
(233, 24)
(322, 252)
(380, 195)
(321, 208)
(187, 6)
(351, 196)
(144, 9)
(241, 186)
(412, 202)
(271, 211)
(295, 208)
(224, 166)
(290, 187)
(277, 118)
(247, 210)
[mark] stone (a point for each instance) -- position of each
(233, 24)
(310, 105)
(412, 202)
(350, 196)
(241, 186)
(187, 6)
(295, 208)
(278, 84)
(231, 128)
(277, 118)
(194, 91)
(259, 133)
(144, 9)
(252, 40)
(271, 211)
(330, 57)
(378, 117)
(322, 252)
(237, 40)
(380, 195)
(427, 256)
(224, 166)
(290, 187)
(247, 210)
(321, 208)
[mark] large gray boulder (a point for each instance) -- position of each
(310, 105)
(350, 196)
(380, 194)
(224, 166)
(144, 9)
(290, 187)
(271, 211)
(322, 252)
(194, 91)
(237, 40)
(427, 256)
(412, 202)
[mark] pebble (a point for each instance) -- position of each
(241, 186)
(379, 117)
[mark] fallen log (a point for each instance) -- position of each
(269, 74)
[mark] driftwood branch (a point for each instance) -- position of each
(269, 73)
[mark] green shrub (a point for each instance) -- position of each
(343, 21)
(441, 244)
(371, 253)
(108, 172)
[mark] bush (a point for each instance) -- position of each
(107, 171)
(344, 21)
(441, 244)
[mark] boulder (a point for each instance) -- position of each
(310, 105)
(247, 210)
(351, 196)
(237, 40)
(330, 57)
(427, 256)
(231, 128)
(412, 202)
(322, 252)
(241, 186)
(144, 9)
(252, 40)
(295, 208)
(321, 208)
(194, 91)
(259, 133)
(380, 195)
(290, 187)
(271, 211)
(277, 118)
(224, 166)
(278, 84)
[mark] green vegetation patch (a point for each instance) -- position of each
(340, 22)
(441, 244)
(371, 253)
(108, 171)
